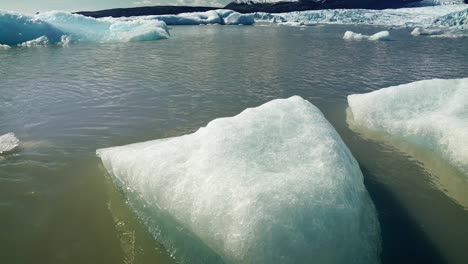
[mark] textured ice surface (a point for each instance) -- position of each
(457, 19)
(8, 142)
(83, 28)
(382, 35)
(16, 28)
(431, 114)
(274, 184)
(411, 17)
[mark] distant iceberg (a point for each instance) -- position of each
(383, 35)
(56, 26)
(274, 184)
(430, 114)
(220, 16)
(8, 142)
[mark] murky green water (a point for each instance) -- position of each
(57, 205)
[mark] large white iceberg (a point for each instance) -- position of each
(430, 114)
(220, 16)
(17, 28)
(8, 142)
(274, 184)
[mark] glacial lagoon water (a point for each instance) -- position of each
(58, 204)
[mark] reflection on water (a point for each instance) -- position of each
(443, 176)
(57, 206)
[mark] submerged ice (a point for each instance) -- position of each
(274, 184)
(8, 142)
(431, 114)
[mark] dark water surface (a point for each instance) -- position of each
(57, 205)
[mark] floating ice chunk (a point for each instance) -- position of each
(425, 31)
(4, 47)
(383, 35)
(274, 184)
(17, 28)
(349, 35)
(40, 41)
(8, 142)
(221, 16)
(82, 28)
(239, 19)
(431, 114)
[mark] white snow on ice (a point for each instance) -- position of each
(432, 114)
(273, 184)
(8, 142)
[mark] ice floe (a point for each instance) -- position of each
(220, 16)
(382, 35)
(8, 142)
(430, 114)
(273, 184)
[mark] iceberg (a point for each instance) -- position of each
(439, 33)
(55, 26)
(382, 35)
(220, 16)
(8, 142)
(430, 114)
(426, 32)
(273, 184)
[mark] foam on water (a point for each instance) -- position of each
(8, 142)
(55, 26)
(431, 114)
(274, 184)
(382, 35)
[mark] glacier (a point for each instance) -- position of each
(56, 26)
(429, 114)
(273, 184)
(8, 142)
(382, 35)
(442, 16)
